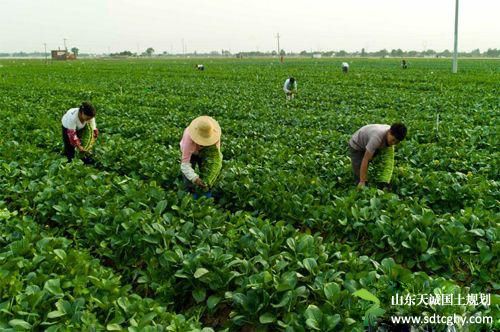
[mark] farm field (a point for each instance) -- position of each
(289, 243)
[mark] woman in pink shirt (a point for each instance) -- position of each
(200, 145)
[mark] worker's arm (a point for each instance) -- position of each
(189, 172)
(363, 170)
(74, 140)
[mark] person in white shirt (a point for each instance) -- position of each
(290, 88)
(345, 67)
(73, 123)
(200, 67)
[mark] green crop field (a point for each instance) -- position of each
(289, 243)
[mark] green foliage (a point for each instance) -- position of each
(290, 244)
(212, 164)
(87, 138)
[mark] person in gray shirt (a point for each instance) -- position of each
(367, 142)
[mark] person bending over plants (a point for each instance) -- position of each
(79, 131)
(290, 88)
(345, 67)
(375, 141)
(200, 145)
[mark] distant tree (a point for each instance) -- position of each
(475, 52)
(381, 53)
(412, 53)
(397, 53)
(226, 53)
(341, 53)
(124, 53)
(492, 52)
(75, 50)
(445, 53)
(282, 52)
(363, 52)
(273, 53)
(150, 51)
(429, 52)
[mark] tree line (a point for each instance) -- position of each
(150, 52)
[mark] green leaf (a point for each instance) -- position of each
(160, 207)
(332, 321)
(349, 321)
(19, 323)
(200, 272)
(213, 301)
(53, 286)
(477, 231)
(267, 318)
(113, 327)
(55, 314)
(313, 317)
(310, 264)
(199, 294)
(60, 253)
(372, 314)
(332, 291)
(288, 281)
(355, 212)
(366, 295)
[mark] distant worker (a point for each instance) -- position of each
(75, 123)
(200, 145)
(345, 67)
(375, 140)
(404, 64)
(290, 88)
(200, 67)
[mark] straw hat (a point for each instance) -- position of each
(204, 131)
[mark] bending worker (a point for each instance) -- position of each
(200, 146)
(290, 87)
(74, 123)
(375, 140)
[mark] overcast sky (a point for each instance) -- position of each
(96, 26)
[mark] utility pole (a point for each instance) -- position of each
(455, 50)
(65, 47)
(278, 38)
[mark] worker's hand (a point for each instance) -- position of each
(96, 132)
(81, 149)
(361, 184)
(199, 182)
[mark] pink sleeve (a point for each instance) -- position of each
(73, 138)
(187, 147)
